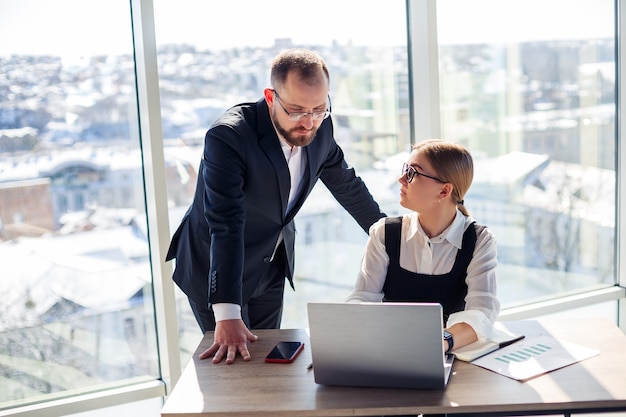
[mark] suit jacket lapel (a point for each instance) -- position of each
(269, 142)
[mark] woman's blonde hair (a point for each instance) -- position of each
(453, 163)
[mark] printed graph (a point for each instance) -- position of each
(524, 354)
(534, 356)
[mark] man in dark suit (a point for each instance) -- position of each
(235, 245)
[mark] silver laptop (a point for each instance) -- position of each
(397, 345)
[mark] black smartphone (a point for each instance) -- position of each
(284, 352)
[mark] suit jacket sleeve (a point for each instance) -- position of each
(223, 174)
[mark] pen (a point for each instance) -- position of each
(510, 342)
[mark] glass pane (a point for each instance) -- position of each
(205, 68)
(76, 313)
(529, 87)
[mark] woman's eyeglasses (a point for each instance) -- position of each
(411, 172)
(296, 116)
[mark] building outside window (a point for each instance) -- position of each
(76, 314)
(202, 73)
(536, 105)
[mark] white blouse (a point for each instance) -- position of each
(435, 256)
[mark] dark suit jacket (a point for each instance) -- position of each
(228, 234)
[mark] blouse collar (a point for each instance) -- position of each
(453, 233)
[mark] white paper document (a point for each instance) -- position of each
(499, 339)
(534, 356)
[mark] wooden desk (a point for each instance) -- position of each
(262, 389)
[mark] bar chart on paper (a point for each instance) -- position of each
(525, 353)
(534, 356)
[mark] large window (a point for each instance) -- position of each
(206, 68)
(533, 95)
(76, 313)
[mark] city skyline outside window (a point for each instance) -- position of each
(76, 314)
(370, 99)
(537, 108)
(533, 106)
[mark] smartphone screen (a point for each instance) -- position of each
(284, 352)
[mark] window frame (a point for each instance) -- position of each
(620, 227)
(151, 138)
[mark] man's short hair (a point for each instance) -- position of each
(307, 64)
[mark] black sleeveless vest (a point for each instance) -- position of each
(405, 286)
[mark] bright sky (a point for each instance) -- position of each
(85, 27)
(469, 21)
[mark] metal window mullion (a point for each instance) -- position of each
(156, 193)
(620, 38)
(423, 69)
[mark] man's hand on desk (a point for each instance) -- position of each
(231, 336)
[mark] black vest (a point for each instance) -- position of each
(405, 286)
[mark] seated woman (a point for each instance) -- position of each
(437, 252)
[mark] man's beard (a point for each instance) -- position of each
(291, 136)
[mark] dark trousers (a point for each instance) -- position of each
(264, 309)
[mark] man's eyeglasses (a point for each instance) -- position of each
(296, 116)
(411, 172)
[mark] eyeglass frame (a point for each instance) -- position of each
(296, 116)
(410, 172)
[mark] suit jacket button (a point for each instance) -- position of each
(213, 283)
